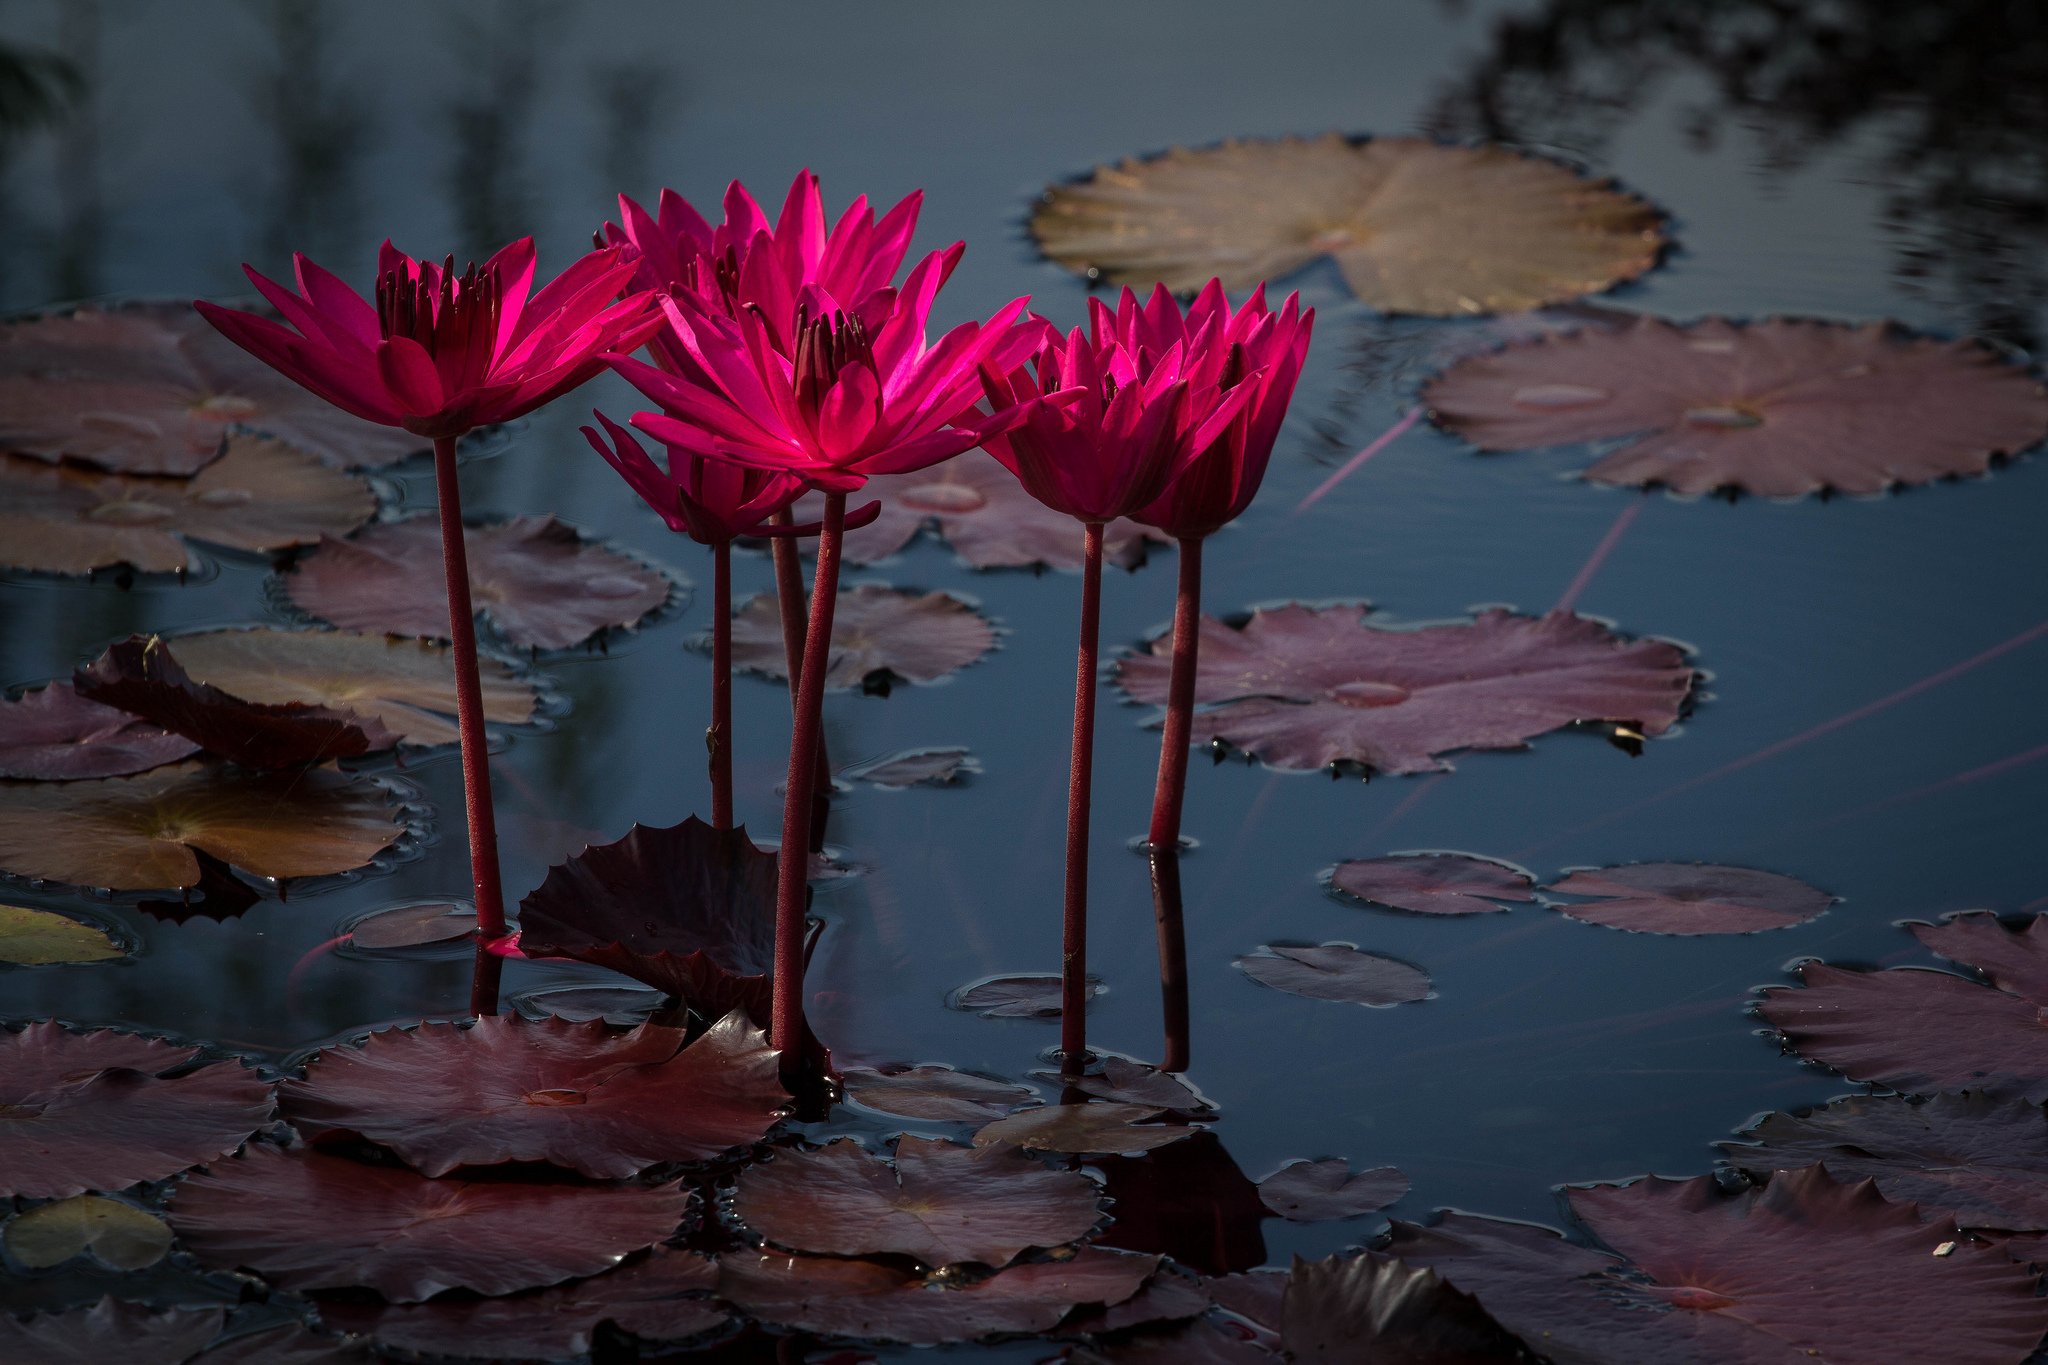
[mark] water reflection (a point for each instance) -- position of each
(322, 130)
(491, 121)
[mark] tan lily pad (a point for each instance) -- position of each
(1094, 1127)
(40, 938)
(878, 633)
(120, 1234)
(1415, 226)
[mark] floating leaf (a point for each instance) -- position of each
(1346, 1309)
(941, 1205)
(54, 734)
(1201, 1342)
(1078, 1128)
(1434, 883)
(1335, 971)
(1127, 1082)
(120, 1235)
(879, 633)
(540, 583)
(1018, 996)
(622, 1005)
(150, 388)
(2014, 958)
(1304, 687)
(104, 1110)
(935, 1093)
(1980, 1160)
(1690, 898)
(1321, 1191)
(883, 1303)
(411, 926)
(289, 1344)
(1416, 226)
(940, 767)
(511, 1089)
(306, 1220)
(141, 676)
(109, 1331)
(1779, 408)
(42, 938)
(407, 686)
(140, 833)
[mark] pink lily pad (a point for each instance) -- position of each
(505, 1088)
(936, 1093)
(1305, 687)
(109, 1331)
(1336, 971)
(537, 581)
(104, 1110)
(1689, 898)
(306, 1220)
(1322, 1191)
(53, 734)
(1023, 995)
(879, 634)
(1782, 408)
(1434, 883)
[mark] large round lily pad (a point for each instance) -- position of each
(1689, 898)
(878, 633)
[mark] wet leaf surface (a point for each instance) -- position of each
(1434, 883)
(140, 833)
(289, 1344)
(411, 926)
(40, 938)
(1415, 226)
(1304, 687)
(941, 1204)
(2014, 958)
(118, 1234)
(1335, 971)
(306, 1220)
(1345, 1309)
(941, 767)
(1782, 408)
(53, 734)
(935, 1093)
(1127, 1082)
(104, 1110)
(621, 1005)
(1201, 1342)
(539, 583)
(879, 634)
(1689, 898)
(509, 1089)
(1320, 1191)
(1021, 996)
(1079, 1128)
(109, 1331)
(407, 686)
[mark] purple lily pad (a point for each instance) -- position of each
(53, 734)
(1434, 883)
(1336, 971)
(1689, 898)
(1322, 1191)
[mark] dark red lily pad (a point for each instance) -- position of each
(879, 634)
(1782, 408)
(141, 676)
(1200, 1342)
(306, 1220)
(938, 767)
(1022, 995)
(1099, 1126)
(936, 1093)
(883, 1303)
(412, 925)
(1189, 1200)
(536, 580)
(1325, 1190)
(1982, 1161)
(1305, 687)
(105, 1110)
(1689, 898)
(53, 734)
(1127, 1082)
(1348, 1309)
(1336, 971)
(506, 1088)
(1434, 883)
(1171, 1295)
(2014, 958)
(109, 1331)
(942, 1204)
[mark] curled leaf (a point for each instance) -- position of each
(53, 734)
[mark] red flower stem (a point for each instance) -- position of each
(1074, 920)
(1173, 955)
(789, 598)
(792, 856)
(1180, 700)
(484, 979)
(469, 702)
(719, 737)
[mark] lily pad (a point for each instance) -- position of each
(104, 1110)
(288, 1344)
(1336, 971)
(1321, 1191)
(53, 734)
(306, 1220)
(935, 1093)
(1100, 1126)
(140, 833)
(1434, 883)
(411, 926)
(507, 1089)
(2015, 957)
(936, 767)
(1689, 898)
(879, 634)
(1346, 1309)
(539, 583)
(109, 1331)
(621, 1005)
(1123, 1081)
(1780, 408)
(1305, 687)
(118, 1234)
(40, 938)
(260, 495)
(1020, 996)
(1415, 226)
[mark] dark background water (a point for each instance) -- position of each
(1849, 161)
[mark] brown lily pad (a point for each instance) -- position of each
(1415, 226)
(1320, 1191)
(1689, 898)
(306, 1220)
(140, 833)
(53, 734)
(412, 925)
(1305, 687)
(1780, 408)
(118, 1234)
(1336, 971)
(1023, 995)
(505, 1088)
(43, 938)
(935, 1093)
(879, 634)
(1434, 883)
(105, 1110)
(1100, 1126)
(109, 1331)
(538, 582)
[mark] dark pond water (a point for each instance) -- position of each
(1856, 176)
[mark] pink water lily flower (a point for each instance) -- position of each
(714, 502)
(441, 353)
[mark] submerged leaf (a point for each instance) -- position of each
(1689, 898)
(1078, 1128)
(42, 938)
(1022, 995)
(936, 1093)
(1434, 883)
(109, 1331)
(1335, 971)
(1319, 1191)
(118, 1234)
(1416, 226)
(939, 767)
(1305, 687)
(1781, 408)
(53, 734)
(878, 633)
